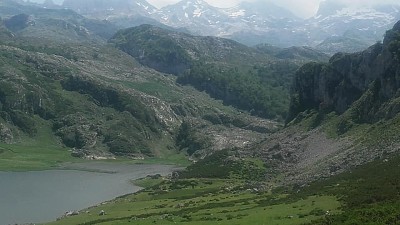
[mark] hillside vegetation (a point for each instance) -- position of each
(91, 100)
(150, 94)
(244, 77)
(342, 114)
(224, 190)
(369, 79)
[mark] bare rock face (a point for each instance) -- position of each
(361, 88)
(337, 85)
(6, 135)
(302, 156)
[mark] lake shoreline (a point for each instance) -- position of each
(44, 196)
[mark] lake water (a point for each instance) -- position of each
(42, 196)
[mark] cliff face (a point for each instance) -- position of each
(362, 89)
(335, 86)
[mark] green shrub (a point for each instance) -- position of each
(264, 91)
(24, 121)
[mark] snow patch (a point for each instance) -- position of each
(363, 14)
(144, 6)
(317, 17)
(197, 12)
(239, 13)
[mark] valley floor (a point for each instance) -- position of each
(206, 201)
(369, 194)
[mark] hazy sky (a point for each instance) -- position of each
(302, 8)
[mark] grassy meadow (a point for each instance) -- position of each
(205, 201)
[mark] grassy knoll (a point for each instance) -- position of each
(148, 182)
(206, 201)
(43, 152)
(234, 195)
(368, 194)
(27, 157)
(178, 160)
(38, 153)
(24, 158)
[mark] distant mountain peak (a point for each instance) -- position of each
(198, 2)
(185, 4)
(255, 22)
(195, 2)
(191, 13)
(329, 7)
(267, 9)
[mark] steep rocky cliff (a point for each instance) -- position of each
(373, 74)
(343, 114)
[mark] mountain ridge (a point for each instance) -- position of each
(343, 69)
(224, 68)
(343, 114)
(248, 24)
(157, 95)
(96, 101)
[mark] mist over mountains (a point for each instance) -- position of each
(335, 27)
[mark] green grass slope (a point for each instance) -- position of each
(368, 194)
(229, 191)
(97, 102)
(244, 77)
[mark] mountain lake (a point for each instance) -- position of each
(43, 196)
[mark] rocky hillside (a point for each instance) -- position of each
(173, 52)
(44, 24)
(95, 100)
(370, 76)
(343, 113)
(247, 78)
(103, 103)
(297, 54)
